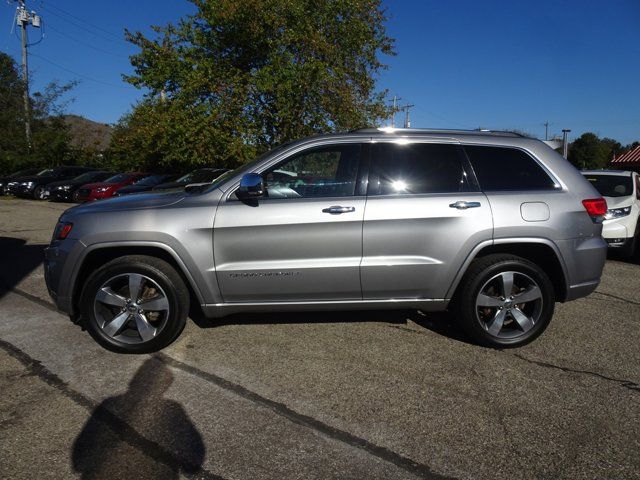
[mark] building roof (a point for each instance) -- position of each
(632, 157)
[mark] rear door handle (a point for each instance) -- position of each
(337, 210)
(462, 205)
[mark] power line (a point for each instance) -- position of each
(70, 37)
(82, 75)
(110, 38)
(97, 27)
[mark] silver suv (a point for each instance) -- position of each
(492, 225)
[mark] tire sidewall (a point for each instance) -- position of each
(471, 321)
(173, 326)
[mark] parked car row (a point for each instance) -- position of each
(83, 184)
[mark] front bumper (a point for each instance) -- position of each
(59, 260)
(61, 195)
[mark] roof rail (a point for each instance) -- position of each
(446, 131)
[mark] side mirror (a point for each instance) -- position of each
(251, 186)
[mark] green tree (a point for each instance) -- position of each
(50, 134)
(591, 152)
(241, 76)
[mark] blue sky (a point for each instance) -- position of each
(464, 64)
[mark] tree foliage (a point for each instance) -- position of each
(241, 76)
(49, 133)
(591, 152)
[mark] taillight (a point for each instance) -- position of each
(63, 229)
(595, 207)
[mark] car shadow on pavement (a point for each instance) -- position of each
(17, 260)
(284, 318)
(139, 434)
(442, 323)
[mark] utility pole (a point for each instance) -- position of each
(23, 19)
(565, 142)
(546, 130)
(394, 110)
(407, 119)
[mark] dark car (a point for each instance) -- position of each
(4, 181)
(67, 190)
(34, 186)
(106, 189)
(144, 185)
(202, 175)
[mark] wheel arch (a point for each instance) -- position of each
(99, 254)
(542, 252)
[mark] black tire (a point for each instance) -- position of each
(74, 197)
(631, 249)
(37, 193)
(172, 287)
(476, 321)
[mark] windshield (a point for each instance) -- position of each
(151, 180)
(87, 177)
(612, 185)
(120, 177)
(201, 176)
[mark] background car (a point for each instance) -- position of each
(4, 181)
(34, 185)
(106, 189)
(67, 190)
(145, 185)
(621, 225)
(202, 175)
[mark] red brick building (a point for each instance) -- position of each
(627, 161)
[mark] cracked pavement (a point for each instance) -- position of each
(315, 395)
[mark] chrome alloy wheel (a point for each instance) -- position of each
(509, 304)
(131, 308)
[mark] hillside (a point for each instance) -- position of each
(86, 133)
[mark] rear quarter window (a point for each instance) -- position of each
(505, 168)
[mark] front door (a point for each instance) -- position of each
(424, 215)
(302, 241)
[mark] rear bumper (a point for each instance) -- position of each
(584, 259)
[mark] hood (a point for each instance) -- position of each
(134, 202)
(134, 189)
(169, 185)
(63, 182)
(29, 178)
(618, 202)
(99, 184)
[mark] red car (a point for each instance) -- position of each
(106, 189)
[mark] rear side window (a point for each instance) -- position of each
(503, 168)
(417, 168)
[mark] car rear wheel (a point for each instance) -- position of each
(135, 304)
(504, 301)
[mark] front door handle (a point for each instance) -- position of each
(337, 210)
(462, 205)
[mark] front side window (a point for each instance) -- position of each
(417, 168)
(504, 168)
(318, 172)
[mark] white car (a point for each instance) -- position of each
(621, 190)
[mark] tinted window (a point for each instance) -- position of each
(118, 178)
(417, 168)
(612, 185)
(151, 180)
(319, 172)
(500, 168)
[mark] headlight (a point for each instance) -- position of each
(29, 185)
(102, 189)
(64, 187)
(617, 213)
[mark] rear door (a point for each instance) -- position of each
(424, 214)
(303, 240)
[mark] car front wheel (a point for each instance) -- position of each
(504, 301)
(135, 304)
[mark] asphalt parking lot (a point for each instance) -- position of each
(360, 395)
